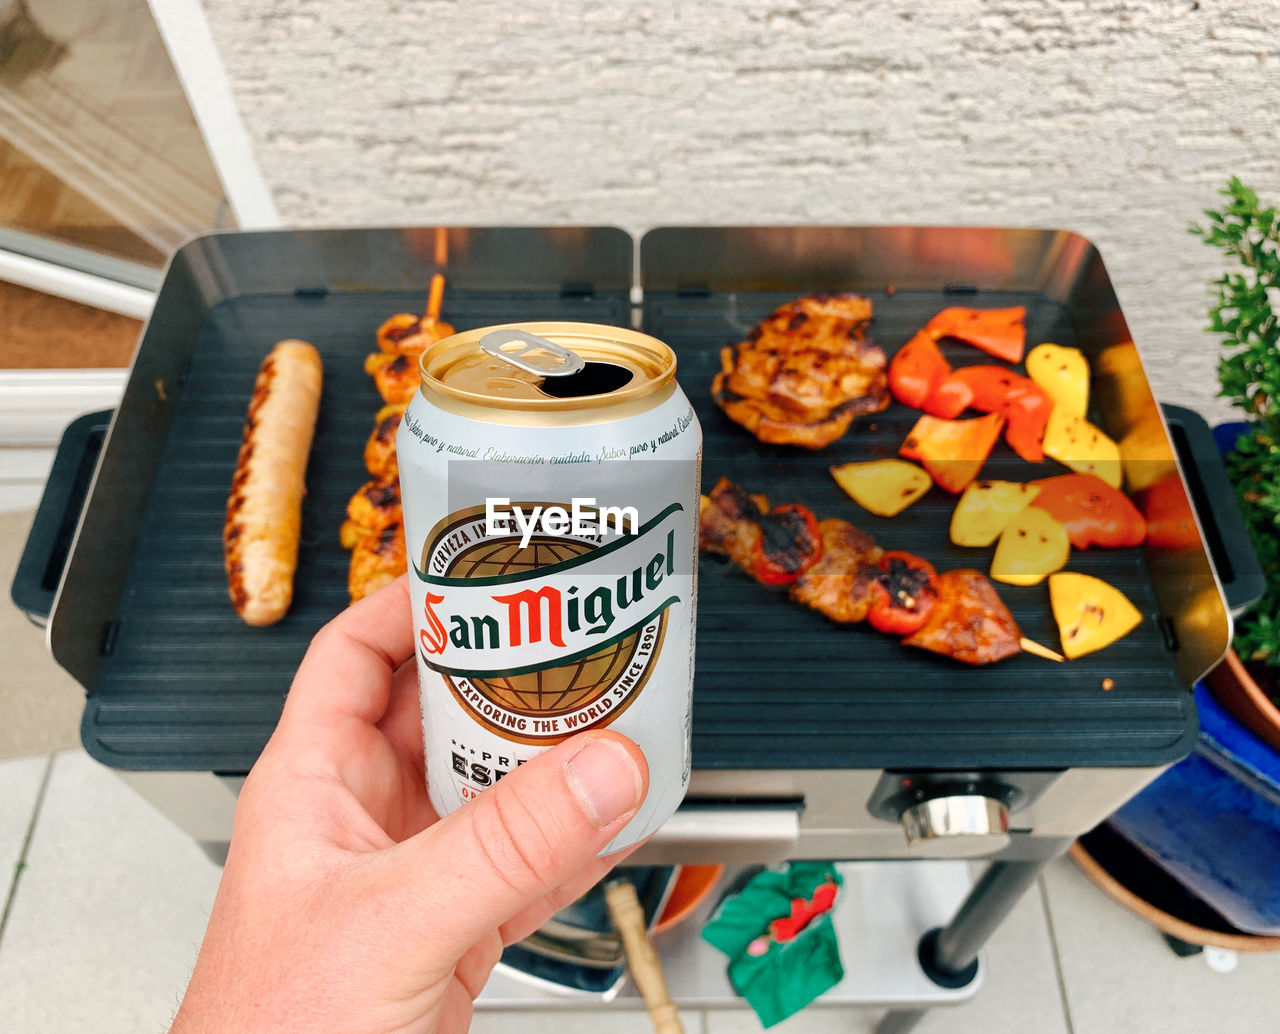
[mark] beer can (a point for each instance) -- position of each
(549, 475)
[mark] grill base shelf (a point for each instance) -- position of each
(883, 911)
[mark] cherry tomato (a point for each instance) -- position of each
(903, 594)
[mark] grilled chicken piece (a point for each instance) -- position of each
(804, 372)
(376, 504)
(410, 334)
(394, 375)
(407, 334)
(969, 622)
(380, 449)
(839, 584)
(374, 532)
(377, 560)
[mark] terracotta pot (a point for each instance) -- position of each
(1120, 891)
(1236, 689)
(692, 885)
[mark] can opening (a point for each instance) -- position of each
(595, 378)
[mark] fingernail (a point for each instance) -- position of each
(605, 779)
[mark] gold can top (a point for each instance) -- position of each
(619, 367)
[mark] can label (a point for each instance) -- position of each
(553, 587)
(537, 653)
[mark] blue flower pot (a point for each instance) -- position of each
(1225, 435)
(1213, 821)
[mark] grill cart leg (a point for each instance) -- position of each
(949, 955)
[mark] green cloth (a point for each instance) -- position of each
(790, 975)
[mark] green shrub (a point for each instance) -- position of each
(1244, 316)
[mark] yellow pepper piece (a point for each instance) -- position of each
(1146, 454)
(1032, 546)
(1064, 374)
(1076, 443)
(1090, 613)
(986, 507)
(885, 487)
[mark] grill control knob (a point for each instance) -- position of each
(960, 826)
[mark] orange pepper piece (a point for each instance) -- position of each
(952, 451)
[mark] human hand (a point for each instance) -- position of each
(346, 904)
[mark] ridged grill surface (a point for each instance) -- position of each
(186, 685)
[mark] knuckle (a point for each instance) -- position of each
(518, 850)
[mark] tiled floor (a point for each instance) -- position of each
(109, 904)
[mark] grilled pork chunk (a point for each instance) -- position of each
(969, 623)
(839, 584)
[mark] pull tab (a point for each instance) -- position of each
(492, 342)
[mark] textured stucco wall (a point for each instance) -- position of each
(1118, 119)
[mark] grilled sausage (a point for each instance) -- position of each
(264, 510)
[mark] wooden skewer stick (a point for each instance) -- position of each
(442, 247)
(642, 960)
(436, 298)
(1031, 646)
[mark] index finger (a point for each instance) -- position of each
(348, 668)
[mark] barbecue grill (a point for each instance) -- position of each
(810, 740)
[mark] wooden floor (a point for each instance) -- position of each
(34, 200)
(38, 331)
(98, 148)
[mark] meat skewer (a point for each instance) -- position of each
(374, 529)
(846, 576)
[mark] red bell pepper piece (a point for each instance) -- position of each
(989, 386)
(995, 389)
(999, 332)
(952, 451)
(903, 594)
(1171, 524)
(789, 545)
(917, 369)
(949, 399)
(1093, 513)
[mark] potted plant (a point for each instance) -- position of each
(1244, 316)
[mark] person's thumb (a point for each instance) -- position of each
(522, 838)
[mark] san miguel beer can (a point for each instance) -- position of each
(549, 474)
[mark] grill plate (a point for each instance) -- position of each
(181, 683)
